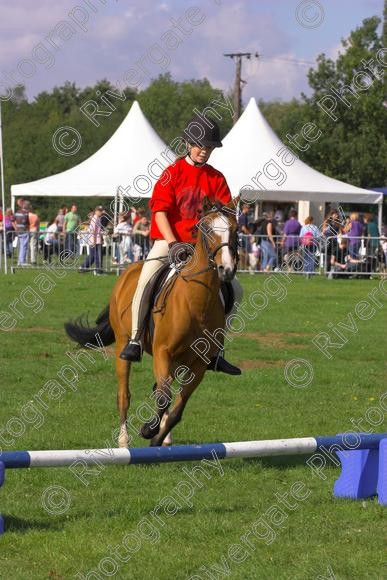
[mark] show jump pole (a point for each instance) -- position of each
(141, 455)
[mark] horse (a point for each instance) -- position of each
(188, 309)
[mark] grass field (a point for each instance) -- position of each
(316, 536)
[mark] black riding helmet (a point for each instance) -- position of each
(203, 132)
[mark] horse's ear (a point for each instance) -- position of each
(206, 205)
(233, 205)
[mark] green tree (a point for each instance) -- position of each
(29, 126)
(284, 117)
(353, 147)
(169, 104)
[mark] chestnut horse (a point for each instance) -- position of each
(190, 305)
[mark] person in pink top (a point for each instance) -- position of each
(60, 219)
(94, 241)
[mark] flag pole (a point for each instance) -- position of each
(3, 193)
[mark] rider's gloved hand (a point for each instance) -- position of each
(179, 252)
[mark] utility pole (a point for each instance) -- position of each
(3, 194)
(239, 82)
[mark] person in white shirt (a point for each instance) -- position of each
(124, 230)
(51, 243)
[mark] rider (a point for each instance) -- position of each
(175, 205)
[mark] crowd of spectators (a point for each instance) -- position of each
(268, 243)
(132, 237)
(355, 245)
(27, 238)
(351, 244)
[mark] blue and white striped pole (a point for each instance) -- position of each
(269, 448)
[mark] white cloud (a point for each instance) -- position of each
(335, 51)
(122, 33)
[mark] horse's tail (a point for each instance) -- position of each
(80, 331)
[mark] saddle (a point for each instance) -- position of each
(160, 286)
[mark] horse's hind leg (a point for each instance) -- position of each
(123, 393)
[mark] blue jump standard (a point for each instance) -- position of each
(363, 458)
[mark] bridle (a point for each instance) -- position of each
(232, 245)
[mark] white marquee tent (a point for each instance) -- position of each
(251, 147)
(134, 156)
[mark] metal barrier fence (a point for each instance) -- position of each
(335, 256)
(74, 251)
(349, 257)
(257, 253)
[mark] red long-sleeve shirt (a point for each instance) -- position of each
(182, 194)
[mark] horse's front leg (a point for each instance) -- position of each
(168, 437)
(162, 396)
(163, 402)
(123, 393)
(174, 415)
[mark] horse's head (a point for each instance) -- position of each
(219, 237)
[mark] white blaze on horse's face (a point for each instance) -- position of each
(221, 227)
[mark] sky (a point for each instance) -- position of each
(44, 43)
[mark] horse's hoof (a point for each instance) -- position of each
(123, 442)
(167, 441)
(148, 432)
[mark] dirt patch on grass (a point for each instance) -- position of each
(262, 364)
(41, 356)
(277, 339)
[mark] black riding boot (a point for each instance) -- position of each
(132, 351)
(220, 365)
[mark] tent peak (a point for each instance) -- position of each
(126, 159)
(252, 103)
(135, 108)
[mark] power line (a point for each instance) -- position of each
(289, 60)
